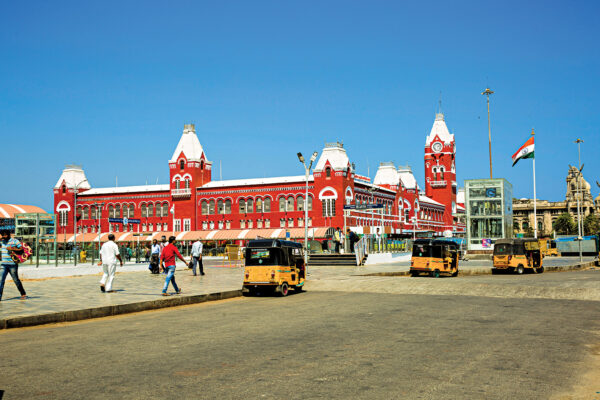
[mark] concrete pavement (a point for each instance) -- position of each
(326, 345)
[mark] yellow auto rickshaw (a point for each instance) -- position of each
(273, 264)
(518, 255)
(548, 247)
(434, 257)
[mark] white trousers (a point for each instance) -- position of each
(108, 276)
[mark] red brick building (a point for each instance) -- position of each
(193, 205)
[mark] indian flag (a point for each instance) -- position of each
(525, 151)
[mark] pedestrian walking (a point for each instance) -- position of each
(197, 257)
(168, 260)
(8, 265)
(155, 251)
(109, 254)
(163, 244)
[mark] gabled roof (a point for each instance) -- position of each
(189, 145)
(257, 181)
(387, 174)
(440, 130)
(425, 199)
(126, 189)
(73, 175)
(335, 154)
(407, 177)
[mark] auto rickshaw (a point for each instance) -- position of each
(548, 247)
(273, 264)
(434, 257)
(518, 255)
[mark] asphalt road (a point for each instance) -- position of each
(321, 345)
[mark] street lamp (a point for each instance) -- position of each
(99, 215)
(487, 92)
(307, 172)
(75, 221)
(579, 225)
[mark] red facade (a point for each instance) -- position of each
(192, 201)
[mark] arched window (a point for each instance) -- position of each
(64, 189)
(144, 210)
(220, 206)
(516, 226)
(525, 225)
(211, 207)
(309, 205)
(259, 205)
(267, 205)
(202, 165)
(290, 204)
(165, 209)
(328, 172)
(249, 206)
(282, 204)
(540, 226)
(204, 207)
(300, 203)
(85, 213)
(181, 164)
(227, 206)
(434, 170)
(131, 211)
(177, 183)
(242, 206)
(111, 211)
(150, 211)
(442, 173)
(94, 212)
(118, 211)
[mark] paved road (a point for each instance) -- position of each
(351, 344)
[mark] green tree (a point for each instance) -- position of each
(591, 225)
(564, 225)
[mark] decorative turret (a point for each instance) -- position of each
(387, 175)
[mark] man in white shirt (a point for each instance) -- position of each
(155, 256)
(197, 257)
(109, 254)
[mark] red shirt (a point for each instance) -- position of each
(169, 253)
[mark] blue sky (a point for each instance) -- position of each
(109, 85)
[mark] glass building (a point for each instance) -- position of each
(488, 203)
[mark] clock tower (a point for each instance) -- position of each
(440, 169)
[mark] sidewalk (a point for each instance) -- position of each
(70, 298)
(79, 297)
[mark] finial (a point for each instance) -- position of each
(532, 132)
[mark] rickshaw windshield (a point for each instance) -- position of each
(422, 250)
(256, 256)
(503, 249)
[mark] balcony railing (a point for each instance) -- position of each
(185, 192)
(438, 183)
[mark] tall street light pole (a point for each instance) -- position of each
(307, 172)
(75, 222)
(579, 224)
(487, 92)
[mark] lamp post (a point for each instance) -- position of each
(579, 225)
(75, 221)
(487, 92)
(99, 211)
(307, 172)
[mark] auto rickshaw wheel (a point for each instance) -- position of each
(539, 270)
(284, 289)
(298, 289)
(414, 274)
(455, 273)
(436, 273)
(520, 269)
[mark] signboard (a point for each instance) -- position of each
(124, 221)
(7, 224)
(486, 243)
(362, 206)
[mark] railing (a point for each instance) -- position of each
(437, 183)
(181, 192)
(360, 249)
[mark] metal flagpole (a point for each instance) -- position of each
(534, 194)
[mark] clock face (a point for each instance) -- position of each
(437, 147)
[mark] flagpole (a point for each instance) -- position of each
(534, 194)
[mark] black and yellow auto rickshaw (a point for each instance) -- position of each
(434, 257)
(273, 264)
(518, 255)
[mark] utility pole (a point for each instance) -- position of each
(579, 224)
(487, 92)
